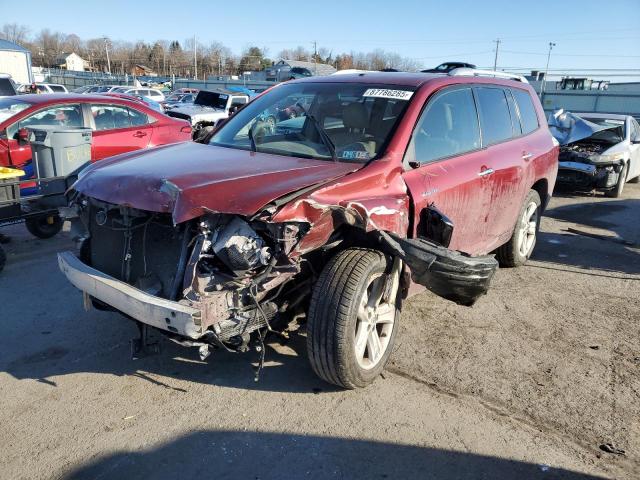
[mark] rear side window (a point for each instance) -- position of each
(110, 117)
(137, 118)
(57, 88)
(448, 126)
(495, 119)
(528, 115)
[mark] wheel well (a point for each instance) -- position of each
(542, 187)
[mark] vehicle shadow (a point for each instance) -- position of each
(286, 368)
(614, 245)
(267, 455)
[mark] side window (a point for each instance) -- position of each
(528, 115)
(448, 126)
(635, 131)
(137, 118)
(110, 117)
(513, 111)
(495, 119)
(63, 115)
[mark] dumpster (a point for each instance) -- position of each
(59, 151)
(9, 200)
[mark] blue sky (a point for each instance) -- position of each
(590, 34)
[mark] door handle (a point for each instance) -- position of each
(526, 156)
(140, 134)
(486, 172)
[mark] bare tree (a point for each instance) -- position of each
(14, 33)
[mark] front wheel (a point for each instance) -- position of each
(520, 246)
(353, 317)
(616, 191)
(44, 226)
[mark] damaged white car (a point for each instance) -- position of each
(598, 150)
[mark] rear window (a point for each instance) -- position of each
(528, 115)
(57, 88)
(6, 87)
(495, 120)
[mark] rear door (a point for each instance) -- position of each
(447, 168)
(506, 149)
(118, 129)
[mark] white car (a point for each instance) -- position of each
(152, 93)
(598, 150)
(209, 108)
(44, 88)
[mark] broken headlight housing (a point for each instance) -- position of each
(607, 158)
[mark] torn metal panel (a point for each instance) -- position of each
(447, 273)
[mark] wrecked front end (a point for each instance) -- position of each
(591, 154)
(589, 165)
(208, 281)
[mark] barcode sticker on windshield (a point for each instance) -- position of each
(384, 93)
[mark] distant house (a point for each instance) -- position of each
(142, 71)
(287, 69)
(71, 61)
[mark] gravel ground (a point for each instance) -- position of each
(529, 383)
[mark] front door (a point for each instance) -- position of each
(449, 170)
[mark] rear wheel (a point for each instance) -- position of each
(353, 317)
(44, 226)
(616, 191)
(520, 246)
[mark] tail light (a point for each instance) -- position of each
(186, 129)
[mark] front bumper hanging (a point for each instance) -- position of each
(157, 312)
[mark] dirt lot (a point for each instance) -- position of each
(527, 384)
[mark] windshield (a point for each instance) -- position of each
(341, 121)
(609, 122)
(212, 99)
(10, 107)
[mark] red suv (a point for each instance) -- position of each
(119, 125)
(387, 180)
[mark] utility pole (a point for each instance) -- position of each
(546, 71)
(315, 58)
(106, 49)
(195, 58)
(495, 60)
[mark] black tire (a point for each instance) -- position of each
(3, 259)
(510, 254)
(44, 226)
(616, 191)
(332, 320)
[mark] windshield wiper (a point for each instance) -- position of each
(324, 137)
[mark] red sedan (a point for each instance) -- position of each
(119, 125)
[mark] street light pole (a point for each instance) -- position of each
(546, 71)
(106, 49)
(495, 60)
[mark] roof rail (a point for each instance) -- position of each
(473, 72)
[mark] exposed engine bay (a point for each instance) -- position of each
(218, 263)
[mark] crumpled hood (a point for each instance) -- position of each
(189, 179)
(567, 127)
